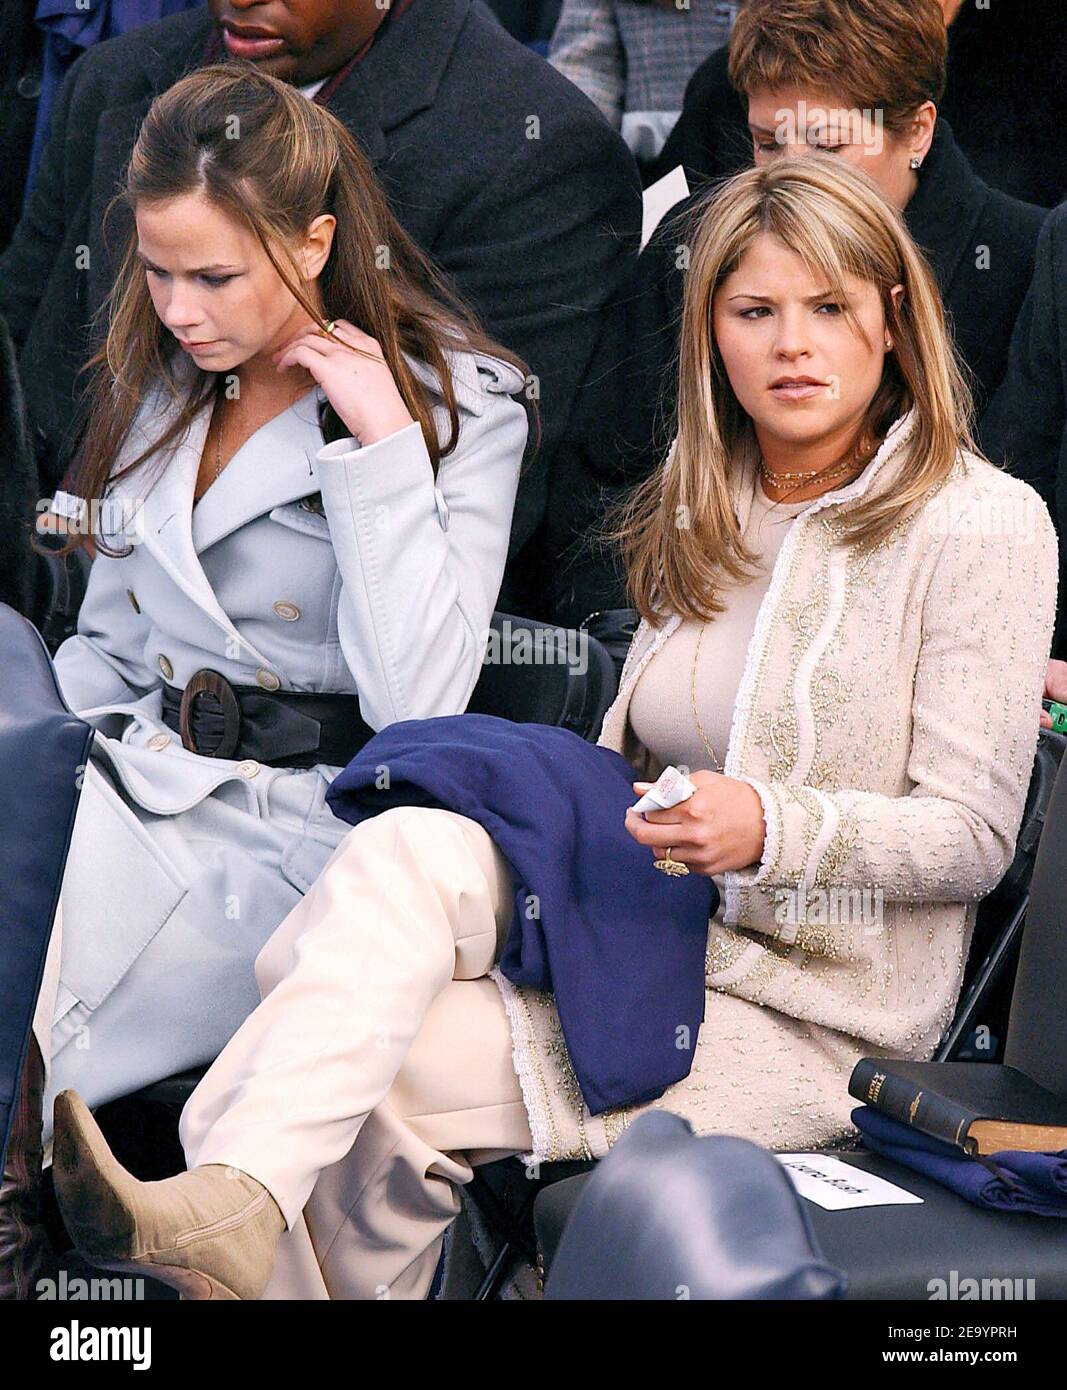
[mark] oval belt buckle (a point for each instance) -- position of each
(206, 682)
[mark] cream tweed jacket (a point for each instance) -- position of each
(887, 716)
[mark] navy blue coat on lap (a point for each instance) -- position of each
(619, 944)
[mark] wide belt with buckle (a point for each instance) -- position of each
(284, 728)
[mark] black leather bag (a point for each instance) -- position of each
(670, 1216)
(43, 751)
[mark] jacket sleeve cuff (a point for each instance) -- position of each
(772, 839)
(394, 447)
(366, 476)
(801, 825)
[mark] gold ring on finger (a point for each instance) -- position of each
(674, 868)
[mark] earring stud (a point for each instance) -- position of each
(915, 162)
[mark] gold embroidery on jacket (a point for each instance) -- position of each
(831, 868)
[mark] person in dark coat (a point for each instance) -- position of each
(1009, 58)
(500, 170)
(1025, 427)
(20, 86)
(787, 57)
(18, 489)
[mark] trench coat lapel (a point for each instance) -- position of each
(159, 501)
(158, 507)
(276, 465)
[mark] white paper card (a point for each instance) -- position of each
(669, 789)
(659, 198)
(836, 1186)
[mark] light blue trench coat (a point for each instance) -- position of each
(182, 866)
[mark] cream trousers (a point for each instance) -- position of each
(378, 1068)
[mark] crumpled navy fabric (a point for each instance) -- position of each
(1011, 1180)
(619, 944)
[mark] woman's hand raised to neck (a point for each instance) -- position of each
(259, 380)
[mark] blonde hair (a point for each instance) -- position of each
(678, 532)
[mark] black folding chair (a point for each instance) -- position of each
(537, 673)
(62, 583)
(988, 980)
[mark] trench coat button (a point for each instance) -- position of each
(267, 679)
(166, 667)
(288, 612)
(249, 768)
(158, 741)
(133, 600)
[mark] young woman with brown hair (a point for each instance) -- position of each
(298, 474)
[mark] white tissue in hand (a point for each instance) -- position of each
(669, 789)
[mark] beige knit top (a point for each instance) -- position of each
(661, 711)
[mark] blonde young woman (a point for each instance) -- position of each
(847, 615)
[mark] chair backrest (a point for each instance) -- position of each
(63, 582)
(1001, 916)
(1047, 761)
(1037, 1026)
(535, 673)
(43, 750)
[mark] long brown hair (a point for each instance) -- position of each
(259, 150)
(678, 532)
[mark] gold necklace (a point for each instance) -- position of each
(218, 435)
(777, 479)
(693, 696)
